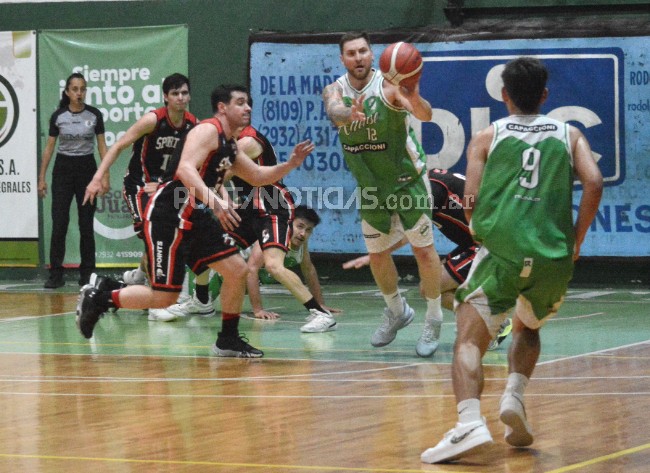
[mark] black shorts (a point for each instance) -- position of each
(459, 262)
(170, 248)
(271, 229)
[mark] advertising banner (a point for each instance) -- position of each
(124, 69)
(18, 153)
(600, 85)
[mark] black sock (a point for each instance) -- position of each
(105, 299)
(312, 304)
(202, 293)
(229, 327)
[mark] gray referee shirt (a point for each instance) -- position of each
(76, 131)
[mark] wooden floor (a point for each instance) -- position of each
(147, 397)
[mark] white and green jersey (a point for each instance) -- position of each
(383, 154)
(524, 204)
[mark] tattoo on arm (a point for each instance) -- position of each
(336, 110)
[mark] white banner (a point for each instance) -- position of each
(18, 158)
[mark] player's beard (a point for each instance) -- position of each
(360, 74)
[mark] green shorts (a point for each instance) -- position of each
(536, 287)
(409, 202)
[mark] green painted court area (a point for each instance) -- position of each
(590, 320)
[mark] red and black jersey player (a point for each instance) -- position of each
(154, 137)
(187, 222)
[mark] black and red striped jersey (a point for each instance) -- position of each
(151, 154)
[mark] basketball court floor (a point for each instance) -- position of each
(146, 396)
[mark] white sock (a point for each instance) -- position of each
(186, 284)
(469, 410)
(394, 303)
(516, 383)
(434, 309)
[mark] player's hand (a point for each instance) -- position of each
(266, 314)
(357, 263)
(357, 109)
(226, 214)
(94, 188)
(106, 184)
(42, 188)
(150, 188)
(332, 310)
(300, 152)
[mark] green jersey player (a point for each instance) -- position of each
(520, 170)
(374, 117)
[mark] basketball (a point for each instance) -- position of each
(401, 64)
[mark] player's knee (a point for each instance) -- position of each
(467, 355)
(274, 268)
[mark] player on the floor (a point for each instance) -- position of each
(304, 222)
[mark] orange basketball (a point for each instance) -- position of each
(401, 64)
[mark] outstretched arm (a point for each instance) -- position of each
(145, 125)
(262, 175)
(411, 100)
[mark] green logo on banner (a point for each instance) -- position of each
(8, 111)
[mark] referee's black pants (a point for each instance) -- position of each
(70, 176)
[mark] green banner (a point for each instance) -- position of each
(124, 69)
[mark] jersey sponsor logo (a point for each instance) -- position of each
(357, 125)
(159, 259)
(531, 128)
(364, 147)
(166, 142)
(594, 103)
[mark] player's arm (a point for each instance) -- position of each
(45, 162)
(590, 177)
(477, 152)
(311, 279)
(250, 147)
(262, 175)
(145, 125)
(411, 100)
(200, 142)
(361, 261)
(102, 150)
(337, 111)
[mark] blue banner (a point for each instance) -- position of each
(600, 85)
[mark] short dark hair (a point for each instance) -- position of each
(525, 80)
(306, 213)
(351, 37)
(223, 94)
(174, 81)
